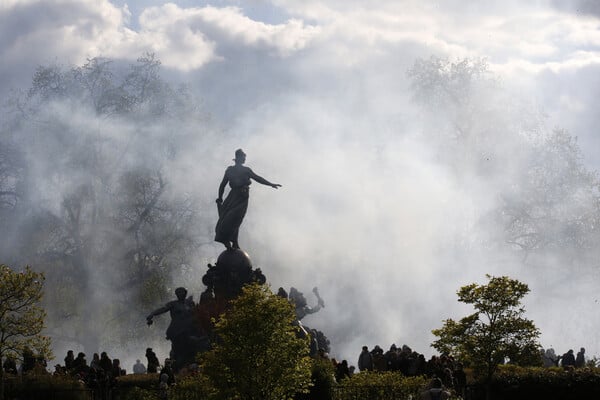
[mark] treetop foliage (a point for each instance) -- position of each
(495, 332)
(258, 354)
(21, 316)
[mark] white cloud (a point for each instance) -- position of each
(518, 35)
(185, 39)
(231, 24)
(527, 38)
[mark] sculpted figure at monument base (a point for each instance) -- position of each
(182, 331)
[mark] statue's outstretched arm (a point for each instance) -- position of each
(320, 304)
(316, 292)
(158, 311)
(312, 310)
(262, 180)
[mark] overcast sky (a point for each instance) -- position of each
(549, 48)
(309, 73)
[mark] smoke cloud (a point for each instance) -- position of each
(385, 206)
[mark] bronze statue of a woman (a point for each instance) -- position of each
(233, 209)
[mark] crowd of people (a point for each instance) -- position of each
(100, 372)
(445, 369)
(411, 363)
(567, 360)
(446, 372)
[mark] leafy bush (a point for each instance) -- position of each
(143, 381)
(46, 386)
(381, 385)
(527, 383)
(136, 393)
(259, 354)
(145, 387)
(322, 381)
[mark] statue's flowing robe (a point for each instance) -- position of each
(234, 207)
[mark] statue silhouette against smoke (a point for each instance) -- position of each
(191, 328)
(233, 209)
(301, 305)
(182, 331)
(318, 340)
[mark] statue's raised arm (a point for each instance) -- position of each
(262, 180)
(233, 209)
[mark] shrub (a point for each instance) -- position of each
(322, 381)
(381, 385)
(143, 381)
(527, 383)
(46, 386)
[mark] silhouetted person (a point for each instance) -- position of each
(233, 209)
(365, 360)
(59, 370)
(80, 364)
(163, 387)
(95, 363)
(391, 358)
(116, 370)
(568, 359)
(379, 363)
(436, 391)
(448, 378)
(550, 358)
(10, 366)
(341, 371)
(28, 360)
(153, 363)
(580, 359)
(139, 368)
(460, 380)
(69, 360)
(168, 370)
(105, 363)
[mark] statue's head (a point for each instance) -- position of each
(240, 156)
(282, 293)
(297, 297)
(181, 292)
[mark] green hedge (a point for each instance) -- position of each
(380, 385)
(45, 386)
(519, 383)
(145, 387)
(142, 381)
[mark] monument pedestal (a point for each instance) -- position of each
(231, 272)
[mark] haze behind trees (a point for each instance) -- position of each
(108, 175)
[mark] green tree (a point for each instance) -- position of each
(21, 317)
(495, 331)
(258, 354)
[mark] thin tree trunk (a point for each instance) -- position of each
(1, 381)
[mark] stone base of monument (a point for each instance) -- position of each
(231, 272)
(224, 282)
